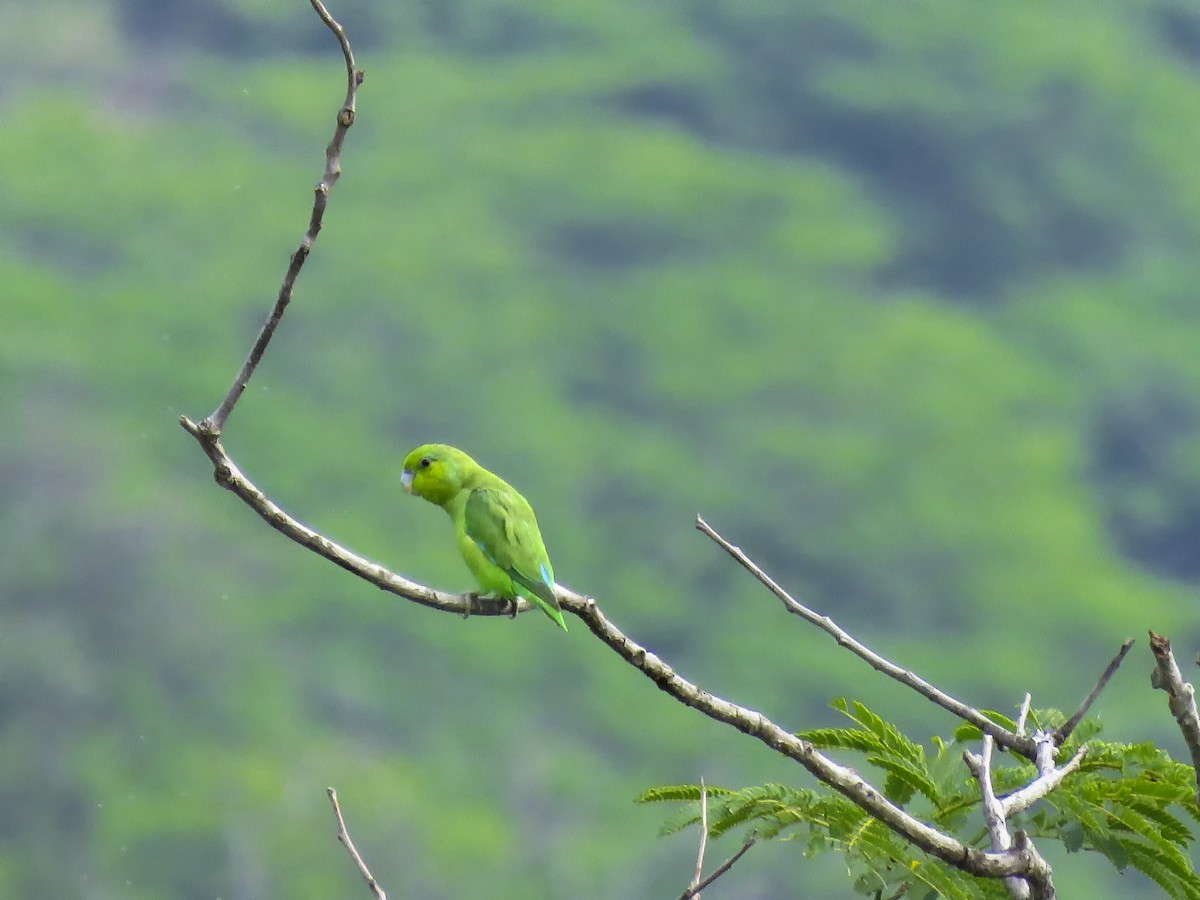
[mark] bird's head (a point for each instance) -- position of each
(435, 472)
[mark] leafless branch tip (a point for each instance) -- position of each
(213, 424)
(1017, 743)
(1062, 733)
(343, 835)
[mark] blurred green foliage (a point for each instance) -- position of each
(902, 298)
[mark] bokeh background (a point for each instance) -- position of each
(901, 296)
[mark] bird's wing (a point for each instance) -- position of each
(504, 528)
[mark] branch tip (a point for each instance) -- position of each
(1063, 732)
(215, 422)
(343, 835)
(1017, 743)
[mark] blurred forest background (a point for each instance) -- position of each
(900, 296)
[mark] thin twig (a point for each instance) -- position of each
(1063, 732)
(353, 75)
(212, 426)
(695, 890)
(1181, 697)
(344, 836)
(1009, 740)
(695, 885)
(1023, 717)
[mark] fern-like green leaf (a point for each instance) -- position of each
(904, 780)
(682, 818)
(945, 882)
(1102, 839)
(1153, 865)
(843, 739)
(676, 792)
(1168, 825)
(776, 805)
(896, 742)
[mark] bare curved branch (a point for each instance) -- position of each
(215, 421)
(1018, 743)
(843, 780)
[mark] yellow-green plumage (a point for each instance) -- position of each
(497, 531)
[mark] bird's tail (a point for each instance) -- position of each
(542, 594)
(552, 611)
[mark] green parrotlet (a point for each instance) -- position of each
(497, 531)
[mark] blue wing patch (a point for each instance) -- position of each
(546, 577)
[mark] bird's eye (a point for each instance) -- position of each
(425, 461)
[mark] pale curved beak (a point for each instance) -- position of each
(406, 478)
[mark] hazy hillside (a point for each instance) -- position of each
(903, 299)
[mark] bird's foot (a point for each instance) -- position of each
(472, 601)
